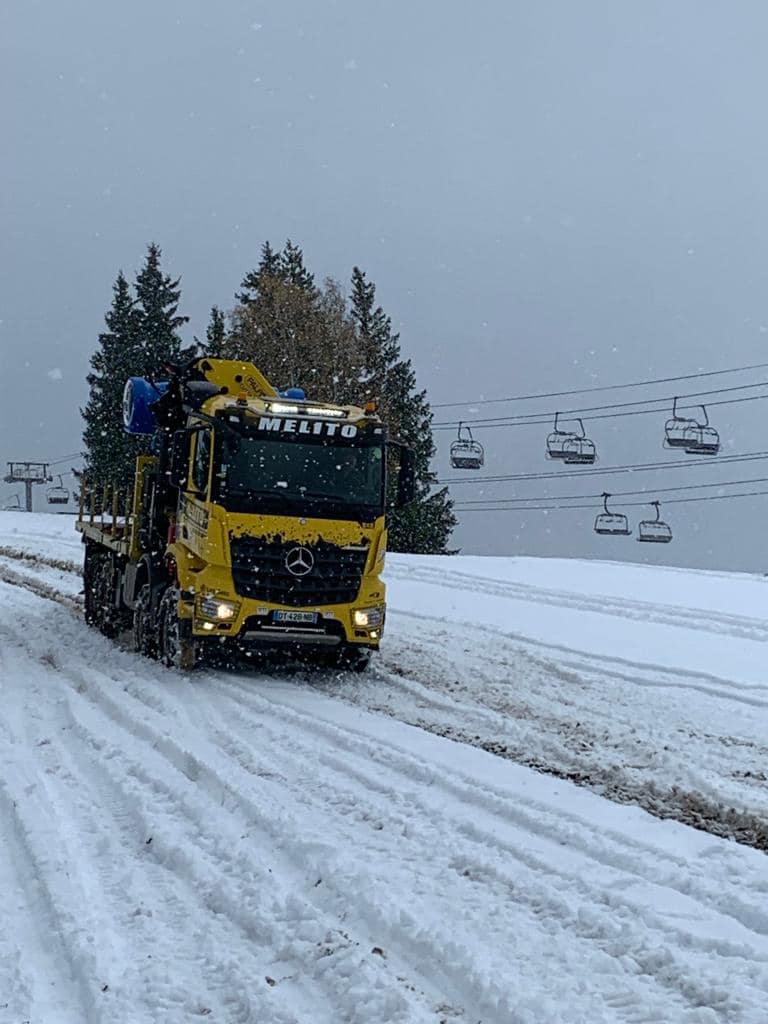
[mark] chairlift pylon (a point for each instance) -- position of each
(695, 437)
(13, 504)
(573, 447)
(58, 494)
(611, 524)
(466, 453)
(654, 531)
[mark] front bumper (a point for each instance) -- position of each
(260, 629)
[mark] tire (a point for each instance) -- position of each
(216, 655)
(177, 645)
(349, 659)
(359, 660)
(105, 615)
(144, 632)
(89, 598)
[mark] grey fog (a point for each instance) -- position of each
(548, 196)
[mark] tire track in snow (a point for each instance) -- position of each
(389, 998)
(35, 558)
(153, 903)
(249, 702)
(36, 964)
(568, 747)
(40, 588)
(389, 930)
(355, 770)
(645, 674)
(212, 773)
(47, 971)
(676, 802)
(739, 626)
(398, 931)
(226, 871)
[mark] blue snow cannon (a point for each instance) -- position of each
(138, 399)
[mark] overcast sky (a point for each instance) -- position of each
(548, 195)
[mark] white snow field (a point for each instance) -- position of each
(494, 824)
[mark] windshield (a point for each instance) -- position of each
(325, 480)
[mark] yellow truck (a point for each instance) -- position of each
(256, 523)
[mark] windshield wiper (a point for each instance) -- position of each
(250, 495)
(321, 495)
(295, 497)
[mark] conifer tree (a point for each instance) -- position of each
(142, 335)
(269, 266)
(109, 450)
(292, 268)
(215, 334)
(158, 303)
(424, 527)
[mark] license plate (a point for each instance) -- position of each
(295, 616)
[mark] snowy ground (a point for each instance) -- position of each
(294, 848)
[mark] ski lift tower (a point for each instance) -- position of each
(27, 473)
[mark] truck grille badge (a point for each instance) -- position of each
(299, 561)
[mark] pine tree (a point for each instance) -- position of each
(141, 337)
(424, 527)
(292, 268)
(109, 450)
(269, 266)
(158, 303)
(215, 334)
(380, 349)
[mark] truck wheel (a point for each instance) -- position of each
(358, 660)
(177, 645)
(350, 659)
(144, 636)
(89, 571)
(105, 614)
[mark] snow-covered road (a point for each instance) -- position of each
(298, 848)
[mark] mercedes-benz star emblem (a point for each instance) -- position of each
(299, 561)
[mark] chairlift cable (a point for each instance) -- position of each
(65, 458)
(615, 494)
(538, 419)
(605, 470)
(623, 504)
(602, 387)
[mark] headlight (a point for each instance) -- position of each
(216, 608)
(369, 616)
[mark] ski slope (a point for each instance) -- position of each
(494, 824)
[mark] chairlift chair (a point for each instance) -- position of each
(611, 524)
(13, 504)
(466, 453)
(58, 494)
(688, 433)
(707, 442)
(572, 446)
(579, 451)
(654, 531)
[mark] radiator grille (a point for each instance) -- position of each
(260, 571)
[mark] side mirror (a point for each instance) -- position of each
(179, 461)
(406, 479)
